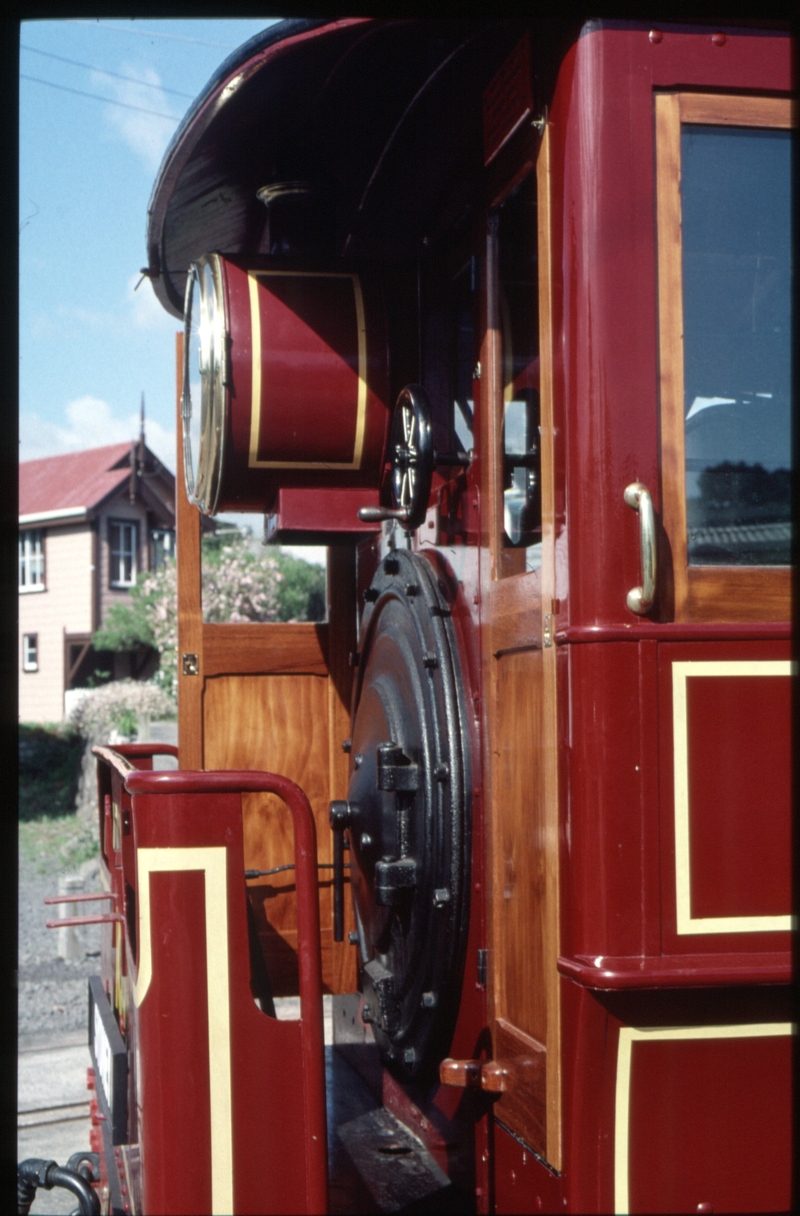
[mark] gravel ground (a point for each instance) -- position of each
(52, 992)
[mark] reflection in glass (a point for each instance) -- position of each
(518, 272)
(463, 357)
(736, 221)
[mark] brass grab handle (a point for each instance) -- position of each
(640, 599)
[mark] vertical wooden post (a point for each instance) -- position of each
(190, 605)
(342, 619)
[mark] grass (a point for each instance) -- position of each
(56, 843)
(51, 836)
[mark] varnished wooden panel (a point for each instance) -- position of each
(521, 755)
(274, 647)
(516, 613)
(190, 618)
(523, 1104)
(725, 110)
(519, 862)
(758, 593)
(278, 723)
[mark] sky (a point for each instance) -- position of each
(99, 103)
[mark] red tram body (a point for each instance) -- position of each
(558, 647)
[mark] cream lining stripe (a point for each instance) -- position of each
(628, 1035)
(255, 404)
(211, 861)
(681, 672)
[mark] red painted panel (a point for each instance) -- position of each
(308, 325)
(521, 1182)
(710, 1123)
(740, 764)
(739, 795)
(313, 351)
(174, 1052)
(275, 1079)
(610, 833)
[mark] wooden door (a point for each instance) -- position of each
(273, 697)
(517, 582)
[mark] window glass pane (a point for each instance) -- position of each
(243, 580)
(463, 357)
(736, 221)
(31, 558)
(123, 554)
(518, 272)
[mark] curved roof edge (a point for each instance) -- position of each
(242, 63)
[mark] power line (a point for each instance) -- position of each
(104, 71)
(97, 97)
(121, 29)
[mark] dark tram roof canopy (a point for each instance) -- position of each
(382, 119)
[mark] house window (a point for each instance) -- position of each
(30, 652)
(123, 554)
(31, 560)
(163, 547)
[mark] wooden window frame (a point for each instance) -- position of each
(27, 663)
(701, 593)
(32, 560)
(119, 584)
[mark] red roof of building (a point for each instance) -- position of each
(77, 479)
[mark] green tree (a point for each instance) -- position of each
(301, 592)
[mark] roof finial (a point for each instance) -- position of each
(141, 437)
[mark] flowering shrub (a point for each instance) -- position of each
(116, 707)
(240, 586)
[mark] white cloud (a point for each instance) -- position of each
(90, 423)
(145, 310)
(141, 128)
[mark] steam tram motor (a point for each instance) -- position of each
(500, 313)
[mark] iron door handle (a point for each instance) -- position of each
(640, 599)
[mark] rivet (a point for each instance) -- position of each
(409, 1056)
(347, 745)
(655, 36)
(366, 840)
(718, 39)
(441, 896)
(429, 659)
(358, 760)
(428, 1000)
(352, 937)
(442, 772)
